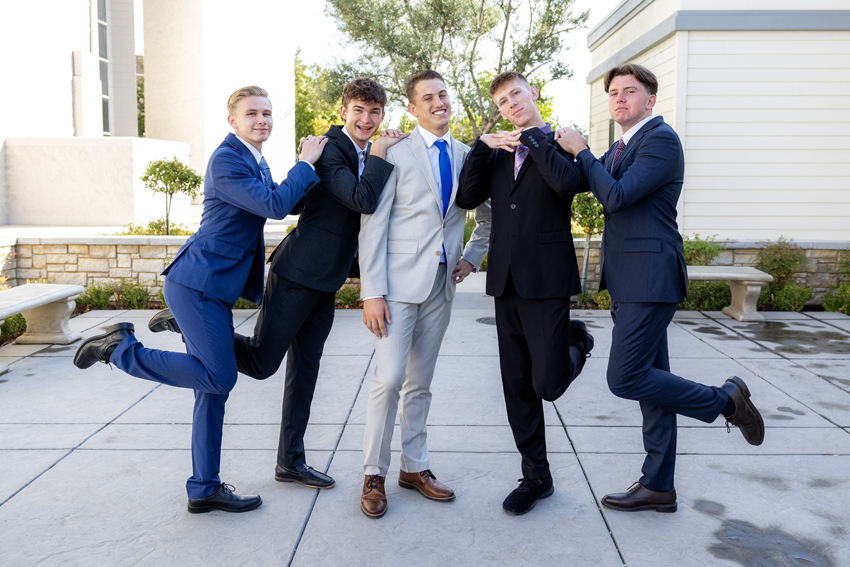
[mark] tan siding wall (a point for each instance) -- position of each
(767, 148)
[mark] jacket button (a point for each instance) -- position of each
(438, 252)
(513, 205)
(444, 225)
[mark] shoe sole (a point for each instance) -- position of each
(109, 330)
(546, 494)
(279, 479)
(205, 509)
(373, 516)
(746, 391)
(409, 486)
(152, 325)
(661, 508)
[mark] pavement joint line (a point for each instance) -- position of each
(62, 458)
(592, 492)
(826, 322)
(330, 460)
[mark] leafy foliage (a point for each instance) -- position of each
(467, 41)
(96, 297)
(3, 261)
(13, 327)
(140, 98)
(243, 303)
(781, 259)
(171, 177)
(156, 228)
(132, 295)
(317, 102)
(844, 261)
(707, 296)
(347, 297)
(838, 300)
(587, 214)
(585, 298)
(699, 252)
(791, 297)
(602, 299)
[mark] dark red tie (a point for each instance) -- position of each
(620, 149)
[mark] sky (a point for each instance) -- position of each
(320, 41)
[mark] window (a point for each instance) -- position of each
(103, 55)
(610, 132)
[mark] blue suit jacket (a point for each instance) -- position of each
(225, 257)
(642, 254)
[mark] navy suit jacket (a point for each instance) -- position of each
(225, 257)
(642, 254)
(319, 253)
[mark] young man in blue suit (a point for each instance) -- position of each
(217, 265)
(638, 181)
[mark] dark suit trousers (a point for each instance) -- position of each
(207, 366)
(295, 320)
(537, 364)
(639, 369)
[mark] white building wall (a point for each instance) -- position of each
(768, 152)
(122, 68)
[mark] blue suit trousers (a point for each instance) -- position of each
(208, 367)
(639, 369)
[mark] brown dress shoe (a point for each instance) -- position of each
(373, 501)
(640, 498)
(427, 484)
(746, 417)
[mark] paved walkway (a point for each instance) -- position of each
(93, 463)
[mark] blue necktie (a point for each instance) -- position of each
(445, 183)
(267, 173)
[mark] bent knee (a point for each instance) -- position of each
(622, 382)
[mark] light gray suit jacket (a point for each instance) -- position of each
(401, 242)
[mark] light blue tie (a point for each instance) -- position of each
(267, 173)
(445, 183)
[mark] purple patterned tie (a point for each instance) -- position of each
(519, 157)
(620, 148)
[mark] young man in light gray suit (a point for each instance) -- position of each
(410, 250)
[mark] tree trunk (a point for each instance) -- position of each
(586, 261)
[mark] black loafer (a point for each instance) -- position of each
(223, 499)
(163, 320)
(746, 417)
(304, 474)
(100, 347)
(581, 338)
(638, 498)
(525, 496)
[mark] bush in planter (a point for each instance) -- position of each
(707, 296)
(243, 303)
(602, 299)
(781, 259)
(791, 297)
(348, 296)
(13, 327)
(96, 297)
(838, 300)
(133, 295)
(699, 252)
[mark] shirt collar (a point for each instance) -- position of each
(361, 152)
(254, 151)
(429, 138)
(634, 129)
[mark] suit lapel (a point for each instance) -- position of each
(336, 134)
(246, 154)
(420, 152)
(631, 147)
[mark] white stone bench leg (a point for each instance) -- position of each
(49, 324)
(744, 301)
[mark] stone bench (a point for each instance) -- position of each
(46, 308)
(746, 285)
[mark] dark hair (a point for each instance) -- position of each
(427, 75)
(641, 73)
(506, 77)
(364, 89)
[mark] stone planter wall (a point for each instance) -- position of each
(108, 259)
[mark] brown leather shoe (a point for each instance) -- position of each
(639, 498)
(427, 484)
(746, 417)
(373, 501)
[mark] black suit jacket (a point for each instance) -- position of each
(530, 234)
(642, 254)
(319, 253)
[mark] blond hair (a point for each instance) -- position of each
(244, 92)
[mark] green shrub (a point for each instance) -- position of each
(699, 252)
(838, 299)
(844, 261)
(290, 228)
(791, 297)
(155, 228)
(13, 327)
(585, 298)
(96, 297)
(241, 303)
(781, 259)
(132, 295)
(348, 296)
(602, 299)
(468, 227)
(707, 296)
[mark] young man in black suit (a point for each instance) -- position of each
(311, 264)
(638, 181)
(531, 271)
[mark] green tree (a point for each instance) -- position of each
(140, 97)
(317, 102)
(587, 214)
(171, 177)
(466, 41)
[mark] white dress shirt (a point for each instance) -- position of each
(634, 129)
(361, 153)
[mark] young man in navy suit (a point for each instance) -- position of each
(638, 181)
(217, 265)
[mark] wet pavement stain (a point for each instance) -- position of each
(780, 416)
(751, 546)
(833, 405)
(826, 482)
(842, 381)
(790, 410)
(3, 381)
(790, 339)
(715, 332)
(486, 320)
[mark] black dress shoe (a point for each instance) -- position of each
(581, 338)
(639, 498)
(163, 320)
(746, 417)
(304, 474)
(525, 496)
(223, 499)
(100, 347)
